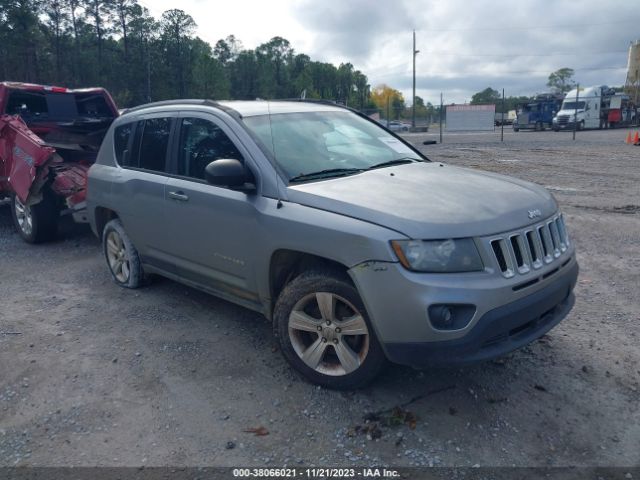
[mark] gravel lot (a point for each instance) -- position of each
(92, 374)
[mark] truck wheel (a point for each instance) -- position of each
(538, 126)
(516, 129)
(36, 223)
(581, 125)
(121, 255)
(324, 331)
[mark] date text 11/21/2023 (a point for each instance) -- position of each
(316, 472)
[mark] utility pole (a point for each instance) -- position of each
(575, 113)
(413, 107)
(502, 119)
(440, 117)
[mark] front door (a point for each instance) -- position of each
(212, 231)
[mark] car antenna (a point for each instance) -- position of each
(273, 146)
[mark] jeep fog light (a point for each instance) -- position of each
(451, 317)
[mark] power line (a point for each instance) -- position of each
(505, 72)
(516, 55)
(537, 27)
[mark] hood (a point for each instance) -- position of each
(430, 200)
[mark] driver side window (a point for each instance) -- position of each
(202, 142)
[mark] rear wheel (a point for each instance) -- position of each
(324, 331)
(121, 255)
(36, 223)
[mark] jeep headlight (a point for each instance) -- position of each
(438, 256)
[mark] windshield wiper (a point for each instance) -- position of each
(330, 172)
(397, 161)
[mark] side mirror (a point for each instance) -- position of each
(227, 172)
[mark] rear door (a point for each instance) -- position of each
(138, 192)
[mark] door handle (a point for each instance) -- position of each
(179, 196)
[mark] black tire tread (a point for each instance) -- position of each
(45, 216)
(136, 274)
(337, 282)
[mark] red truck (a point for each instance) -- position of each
(49, 137)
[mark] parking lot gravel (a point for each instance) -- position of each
(93, 374)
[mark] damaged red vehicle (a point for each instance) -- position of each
(49, 137)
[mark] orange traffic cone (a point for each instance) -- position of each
(636, 139)
(628, 140)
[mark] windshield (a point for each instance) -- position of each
(315, 142)
(572, 105)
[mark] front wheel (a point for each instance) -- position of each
(121, 255)
(325, 333)
(36, 223)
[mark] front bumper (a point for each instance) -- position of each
(509, 312)
(498, 331)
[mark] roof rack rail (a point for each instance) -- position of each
(164, 103)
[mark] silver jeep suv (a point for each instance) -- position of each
(357, 247)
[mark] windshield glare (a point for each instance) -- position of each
(572, 105)
(311, 142)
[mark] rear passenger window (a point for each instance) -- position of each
(202, 142)
(153, 147)
(121, 138)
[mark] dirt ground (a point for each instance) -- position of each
(92, 374)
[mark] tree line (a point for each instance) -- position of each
(119, 45)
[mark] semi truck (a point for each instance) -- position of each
(595, 107)
(49, 137)
(537, 114)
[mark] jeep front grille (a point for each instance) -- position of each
(531, 248)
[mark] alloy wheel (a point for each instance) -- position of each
(329, 334)
(118, 257)
(24, 216)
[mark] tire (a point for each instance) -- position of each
(516, 129)
(37, 223)
(581, 125)
(311, 337)
(538, 127)
(121, 255)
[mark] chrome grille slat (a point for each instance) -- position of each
(537, 244)
(546, 243)
(563, 231)
(555, 238)
(520, 252)
(524, 251)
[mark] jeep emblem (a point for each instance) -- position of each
(534, 213)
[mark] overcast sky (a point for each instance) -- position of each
(465, 46)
